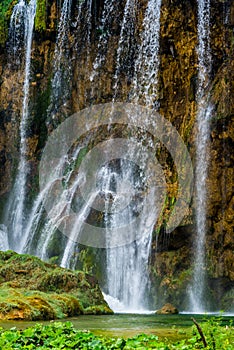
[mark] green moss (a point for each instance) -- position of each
(98, 310)
(6, 7)
(32, 289)
(36, 305)
(58, 280)
(41, 15)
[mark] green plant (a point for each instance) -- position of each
(58, 335)
(6, 7)
(41, 15)
(216, 335)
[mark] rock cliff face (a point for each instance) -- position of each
(171, 255)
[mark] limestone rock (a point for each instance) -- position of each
(167, 309)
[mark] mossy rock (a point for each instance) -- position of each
(98, 310)
(167, 309)
(34, 305)
(31, 289)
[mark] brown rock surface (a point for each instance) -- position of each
(167, 309)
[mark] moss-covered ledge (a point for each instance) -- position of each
(31, 289)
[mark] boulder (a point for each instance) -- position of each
(167, 309)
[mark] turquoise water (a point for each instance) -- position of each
(125, 325)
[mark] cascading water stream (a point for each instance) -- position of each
(81, 217)
(61, 208)
(145, 83)
(60, 90)
(197, 293)
(126, 47)
(4, 244)
(108, 14)
(127, 278)
(22, 17)
(60, 80)
(127, 265)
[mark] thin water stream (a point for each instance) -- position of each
(197, 294)
(22, 23)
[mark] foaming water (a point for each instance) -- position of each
(119, 307)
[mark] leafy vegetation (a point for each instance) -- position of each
(6, 7)
(34, 290)
(40, 19)
(59, 335)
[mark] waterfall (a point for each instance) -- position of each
(127, 277)
(22, 19)
(4, 245)
(104, 29)
(76, 229)
(127, 280)
(204, 112)
(61, 62)
(126, 46)
(145, 83)
(127, 266)
(37, 229)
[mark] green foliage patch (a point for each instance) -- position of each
(59, 335)
(40, 19)
(34, 290)
(6, 7)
